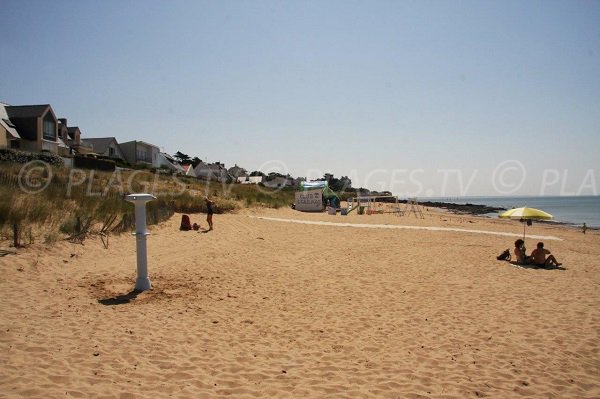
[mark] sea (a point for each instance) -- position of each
(569, 210)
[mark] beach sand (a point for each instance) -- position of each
(270, 308)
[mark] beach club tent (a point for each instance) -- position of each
(313, 196)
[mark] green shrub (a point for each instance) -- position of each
(93, 163)
(69, 227)
(10, 155)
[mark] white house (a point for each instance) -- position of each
(255, 179)
(188, 170)
(141, 152)
(168, 161)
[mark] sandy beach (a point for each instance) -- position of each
(266, 307)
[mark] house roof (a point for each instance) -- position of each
(100, 144)
(169, 157)
(72, 131)
(26, 111)
(141, 142)
(237, 171)
(216, 170)
(149, 144)
(6, 123)
(165, 159)
(211, 166)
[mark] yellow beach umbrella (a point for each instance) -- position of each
(524, 214)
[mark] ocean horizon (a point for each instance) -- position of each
(574, 210)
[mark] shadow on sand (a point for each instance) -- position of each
(516, 264)
(120, 299)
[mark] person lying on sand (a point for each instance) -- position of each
(520, 253)
(539, 257)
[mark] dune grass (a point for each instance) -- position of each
(75, 201)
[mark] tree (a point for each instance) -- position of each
(195, 161)
(342, 184)
(181, 157)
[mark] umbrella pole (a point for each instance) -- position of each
(524, 225)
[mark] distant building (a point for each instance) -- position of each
(237, 173)
(212, 172)
(255, 179)
(167, 161)
(9, 137)
(29, 127)
(69, 138)
(188, 170)
(139, 152)
(105, 146)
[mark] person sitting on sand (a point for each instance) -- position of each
(539, 257)
(520, 253)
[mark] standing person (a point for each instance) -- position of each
(209, 212)
(539, 257)
(584, 228)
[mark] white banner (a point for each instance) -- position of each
(309, 201)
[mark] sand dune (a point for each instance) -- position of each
(259, 308)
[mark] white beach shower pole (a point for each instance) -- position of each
(139, 200)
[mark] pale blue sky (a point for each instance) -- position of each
(395, 94)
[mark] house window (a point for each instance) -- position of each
(143, 156)
(111, 152)
(15, 144)
(49, 128)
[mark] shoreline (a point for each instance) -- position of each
(462, 209)
(487, 211)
